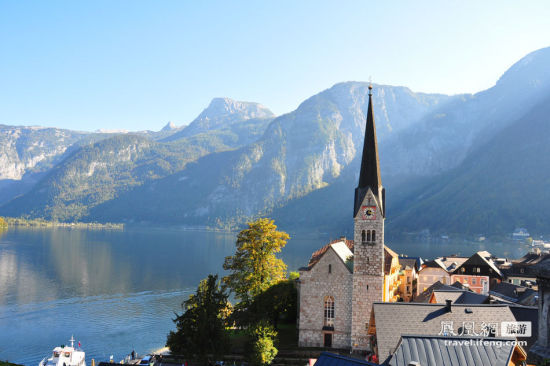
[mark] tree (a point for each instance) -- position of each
(262, 344)
(3, 223)
(255, 267)
(202, 328)
(280, 301)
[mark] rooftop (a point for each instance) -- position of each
(391, 320)
(453, 351)
(332, 359)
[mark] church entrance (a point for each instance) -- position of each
(328, 340)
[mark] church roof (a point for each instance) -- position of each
(370, 165)
(344, 249)
(318, 254)
(369, 175)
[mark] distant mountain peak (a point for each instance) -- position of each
(223, 107)
(169, 126)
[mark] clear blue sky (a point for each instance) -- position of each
(138, 64)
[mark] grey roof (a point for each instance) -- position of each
(427, 294)
(438, 351)
(514, 293)
(408, 262)
(527, 314)
(332, 359)
(460, 297)
(391, 320)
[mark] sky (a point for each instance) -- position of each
(135, 65)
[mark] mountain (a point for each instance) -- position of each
(416, 159)
(445, 162)
(501, 185)
(299, 152)
(223, 114)
(443, 139)
(99, 167)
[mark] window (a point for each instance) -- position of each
(373, 235)
(368, 235)
(473, 281)
(330, 268)
(363, 236)
(329, 311)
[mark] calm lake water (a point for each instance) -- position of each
(118, 290)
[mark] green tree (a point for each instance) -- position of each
(262, 344)
(279, 302)
(202, 328)
(255, 267)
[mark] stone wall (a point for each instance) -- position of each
(315, 285)
(368, 273)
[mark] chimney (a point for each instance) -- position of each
(414, 363)
(448, 305)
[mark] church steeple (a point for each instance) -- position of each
(369, 176)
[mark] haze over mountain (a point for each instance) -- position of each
(445, 162)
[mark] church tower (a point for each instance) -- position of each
(369, 212)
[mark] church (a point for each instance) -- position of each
(345, 277)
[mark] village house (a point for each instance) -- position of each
(408, 277)
(523, 271)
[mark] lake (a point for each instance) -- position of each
(118, 290)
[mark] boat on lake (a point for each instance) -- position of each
(65, 356)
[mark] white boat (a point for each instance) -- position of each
(65, 356)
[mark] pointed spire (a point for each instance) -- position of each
(370, 165)
(369, 176)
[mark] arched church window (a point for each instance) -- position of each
(329, 311)
(368, 235)
(363, 236)
(373, 235)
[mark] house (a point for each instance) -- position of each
(426, 295)
(523, 271)
(478, 284)
(480, 264)
(392, 276)
(439, 269)
(431, 272)
(453, 351)
(505, 292)
(408, 277)
(389, 321)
